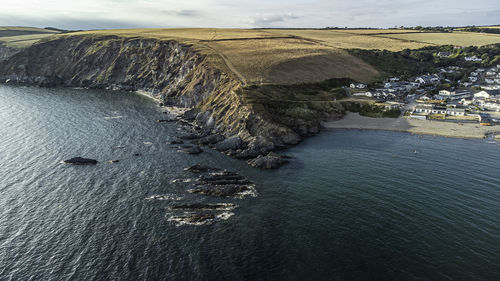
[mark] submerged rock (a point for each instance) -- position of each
(210, 139)
(270, 161)
(80, 161)
(232, 191)
(176, 141)
(166, 120)
(164, 197)
(191, 149)
(233, 143)
(198, 168)
(199, 206)
(200, 219)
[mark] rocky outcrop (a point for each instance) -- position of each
(270, 161)
(172, 73)
(80, 161)
(7, 52)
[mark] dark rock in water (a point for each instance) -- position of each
(198, 168)
(223, 178)
(200, 219)
(166, 120)
(233, 143)
(191, 114)
(190, 137)
(211, 139)
(80, 161)
(114, 161)
(198, 206)
(191, 149)
(233, 191)
(270, 161)
(176, 141)
(161, 104)
(137, 154)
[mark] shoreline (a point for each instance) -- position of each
(412, 126)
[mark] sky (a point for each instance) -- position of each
(104, 14)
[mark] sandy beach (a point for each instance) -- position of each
(414, 126)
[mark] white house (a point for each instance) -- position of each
(481, 95)
(363, 94)
(438, 110)
(473, 58)
(473, 79)
(357, 85)
(455, 111)
(491, 73)
(423, 108)
(394, 79)
(497, 80)
(473, 73)
(489, 81)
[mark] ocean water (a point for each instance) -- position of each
(352, 205)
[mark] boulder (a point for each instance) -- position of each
(80, 161)
(198, 168)
(233, 143)
(191, 149)
(211, 139)
(270, 161)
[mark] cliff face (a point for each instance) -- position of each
(171, 72)
(6, 52)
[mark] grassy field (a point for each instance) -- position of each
(22, 37)
(455, 38)
(285, 56)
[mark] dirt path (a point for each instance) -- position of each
(229, 65)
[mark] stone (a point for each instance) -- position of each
(80, 161)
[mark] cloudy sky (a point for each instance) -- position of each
(93, 14)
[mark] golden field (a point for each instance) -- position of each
(293, 55)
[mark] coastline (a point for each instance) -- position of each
(413, 126)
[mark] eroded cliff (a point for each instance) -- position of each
(173, 73)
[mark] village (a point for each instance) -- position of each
(453, 94)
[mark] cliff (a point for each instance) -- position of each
(173, 73)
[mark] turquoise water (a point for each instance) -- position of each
(352, 205)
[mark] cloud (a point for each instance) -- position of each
(181, 13)
(269, 20)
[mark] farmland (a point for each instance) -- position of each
(284, 56)
(22, 37)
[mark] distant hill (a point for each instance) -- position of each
(22, 37)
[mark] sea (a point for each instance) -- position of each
(350, 205)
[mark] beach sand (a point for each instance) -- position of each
(402, 124)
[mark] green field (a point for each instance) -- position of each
(22, 37)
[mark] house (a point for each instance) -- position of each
(473, 73)
(427, 79)
(473, 58)
(363, 94)
(480, 70)
(392, 105)
(481, 95)
(497, 80)
(423, 108)
(492, 105)
(473, 79)
(444, 54)
(394, 79)
(455, 111)
(489, 81)
(466, 84)
(491, 73)
(415, 84)
(357, 85)
(391, 85)
(438, 110)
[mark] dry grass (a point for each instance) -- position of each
(350, 39)
(455, 38)
(291, 60)
(376, 31)
(23, 41)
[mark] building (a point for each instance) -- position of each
(473, 79)
(392, 105)
(473, 58)
(455, 111)
(357, 85)
(481, 95)
(423, 108)
(363, 94)
(438, 110)
(444, 54)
